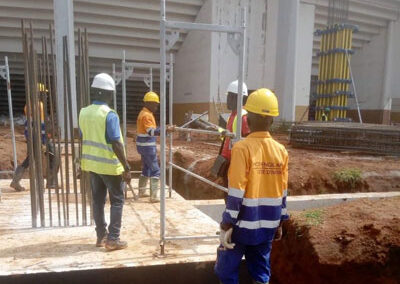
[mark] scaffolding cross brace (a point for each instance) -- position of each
(173, 26)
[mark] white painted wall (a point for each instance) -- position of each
(193, 63)
(368, 66)
(304, 53)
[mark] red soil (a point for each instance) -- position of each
(355, 242)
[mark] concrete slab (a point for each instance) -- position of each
(30, 251)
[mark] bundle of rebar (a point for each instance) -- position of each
(364, 138)
(40, 85)
(83, 92)
(333, 85)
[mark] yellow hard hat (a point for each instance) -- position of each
(151, 97)
(262, 101)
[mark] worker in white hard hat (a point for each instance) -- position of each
(103, 156)
(231, 102)
(256, 203)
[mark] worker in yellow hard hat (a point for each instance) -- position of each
(147, 131)
(256, 202)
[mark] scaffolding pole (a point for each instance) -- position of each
(131, 74)
(173, 25)
(5, 73)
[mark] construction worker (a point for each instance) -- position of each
(325, 114)
(147, 131)
(53, 158)
(231, 102)
(103, 155)
(256, 203)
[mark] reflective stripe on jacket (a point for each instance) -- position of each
(258, 176)
(97, 155)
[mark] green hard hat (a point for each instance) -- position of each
(327, 109)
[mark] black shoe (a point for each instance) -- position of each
(101, 242)
(115, 245)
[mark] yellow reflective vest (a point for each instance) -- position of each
(97, 155)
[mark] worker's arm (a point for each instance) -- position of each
(118, 149)
(284, 213)
(150, 126)
(113, 134)
(237, 176)
(285, 176)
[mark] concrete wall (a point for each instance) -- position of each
(192, 69)
(304, 59)
(368, 66)
(375, 68)
(278, 55)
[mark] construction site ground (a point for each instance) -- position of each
(352, 242)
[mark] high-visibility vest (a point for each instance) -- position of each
(234, 125)
(97, 155)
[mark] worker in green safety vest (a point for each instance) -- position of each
(103, 156)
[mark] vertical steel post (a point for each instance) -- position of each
(10, 109)
(115, 91)
(242, 54)
(171, 135)
(162, 124)
(151, 79)
(124, 97)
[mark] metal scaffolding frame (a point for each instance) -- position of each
(128, 69)
(237, 41)
(5, 74)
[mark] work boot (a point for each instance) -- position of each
(115, 245)
(154, 189)
(143, 186)
(19, 172)
(50, 181)
(101, 242)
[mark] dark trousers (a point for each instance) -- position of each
(115, 185)
(150, 167)
(52, 156)
(257, 262)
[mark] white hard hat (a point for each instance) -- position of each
(103, 81)
(233, 88)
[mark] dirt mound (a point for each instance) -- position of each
(355, 242)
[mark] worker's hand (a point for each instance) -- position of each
(224, 132)
(225, 238)
(126, 176)
(171, 128)
(278, 234)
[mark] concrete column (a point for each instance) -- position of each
(304, 59)
(386, 103)
(64, 26)
(271, 44)
(286, 59)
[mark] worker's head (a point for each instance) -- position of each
(327, 109)
(232, 91)
(103, 88)
(262, 107)
(151, 101)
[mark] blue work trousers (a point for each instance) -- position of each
(115, 185)
(257, 261)
(150, 166)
